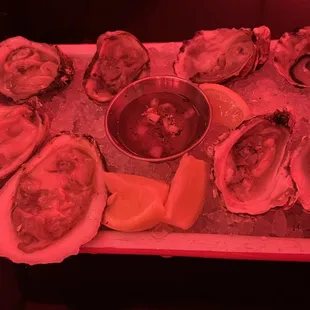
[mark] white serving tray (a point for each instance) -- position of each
(264, 90)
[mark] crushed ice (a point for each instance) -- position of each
(265, 90)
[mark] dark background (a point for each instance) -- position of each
(68, 21)
(91, 282)
(130, 282)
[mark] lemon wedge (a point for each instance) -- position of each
(228, 108)
(136, 203)
(187, 192)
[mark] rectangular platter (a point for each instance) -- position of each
(277, 235)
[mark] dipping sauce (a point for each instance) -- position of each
(158, 125)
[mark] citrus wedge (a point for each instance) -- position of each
(136, 203)
(187, 192)
(228, 108)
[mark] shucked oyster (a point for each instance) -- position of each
(250, 165)
(22, 129)
(119, 60)
(53, 204)
(300, 169)
(28, 68)
(292, 57)
(215, 56)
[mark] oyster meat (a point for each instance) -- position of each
(22, 129)
(292, 57)
(29, 68)
(251, 165)
(54, 203)
(300, 168)
(119, 60)
(216, 56)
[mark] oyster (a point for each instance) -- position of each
(300, 169)
(251, 165)
(28, 68)
(216, 56)
(119, 60)
(22, 129)
(54, 203)
(292, 57)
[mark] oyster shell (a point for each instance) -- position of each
(251, 165)
(119, 60)
(29, 68)
(54, 203)
(300, 169)
(292, 57)
(22, 129)
(216, 56)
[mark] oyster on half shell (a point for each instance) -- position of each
(54, 203)
(216, 56)
(251, 165)
(22, 129)
(119, 60)
(300, 168)
(292, 57)
(29, 68)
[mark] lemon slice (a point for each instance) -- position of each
(228, 108)
(136, 203)
(187, 192)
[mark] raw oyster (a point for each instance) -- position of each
(28, 68)
(22, 129)
(54, 203)
(251, 165)
(119, 60)
(216, 56)
(300, 169)
(292, 57)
